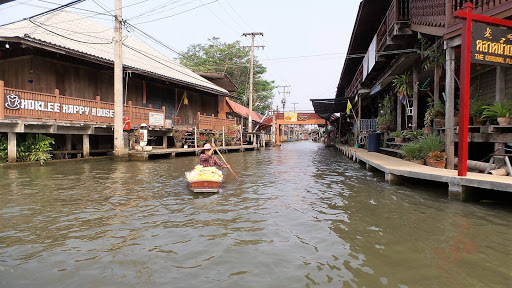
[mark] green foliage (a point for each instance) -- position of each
(434, 110)
(234, 60)
(417, 134)
(35, 148)
(498, 109)
(437, 156)
(432, 54)
(398, 134)
(3, 149)
(386, 113)
(402, 84)
(431, 143)
(414, 151)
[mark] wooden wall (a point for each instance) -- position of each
(78, 81)
(197, 102)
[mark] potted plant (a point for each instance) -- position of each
(178, 138)
(436, 159)
(386, 113)
(413, 152)
(399, 136)
(476, 111)
(402, 85)
(415, 135)
(499, 110)
(431, 143)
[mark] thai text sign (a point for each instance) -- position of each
(491, 45)
(291, 117)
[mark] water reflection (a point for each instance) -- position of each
(300, 216)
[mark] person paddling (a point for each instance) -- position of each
(207, 159)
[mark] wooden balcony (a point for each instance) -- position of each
(28, 105)
(213, 123)
(493, 8)
(428, 12)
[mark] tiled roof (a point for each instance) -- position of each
(244, 111)
(68, 32)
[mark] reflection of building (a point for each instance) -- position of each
(57, 75)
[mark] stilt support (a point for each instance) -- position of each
(11, 147)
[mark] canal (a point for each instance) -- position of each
(300, 216)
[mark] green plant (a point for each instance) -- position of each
(417, 134)
(398, 134)
(431, 143)
(35, 148)
(386, 112)
(178, 135)
(497, 110)
(413, 151)
(3, 149)
(402, 84)
(437, 156)
(434, 110)
(433, 55)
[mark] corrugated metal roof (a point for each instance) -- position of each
(69, 32)
(244, 111)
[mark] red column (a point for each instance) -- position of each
(465, 74)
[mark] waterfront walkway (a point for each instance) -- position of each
(397, 169)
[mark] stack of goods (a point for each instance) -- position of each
(201, 173)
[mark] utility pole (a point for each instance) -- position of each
(251, 76)
(294, 106)
(119, 149)
(284, 92)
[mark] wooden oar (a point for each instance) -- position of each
(226, 162)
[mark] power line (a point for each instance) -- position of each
(220, 19)
(234, 20)
(172, 68)
(153, 38)
(47, 12)
(66, 37)
(150, 11)
(144, 22)
(239, 15)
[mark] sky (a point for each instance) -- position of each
(305, 41)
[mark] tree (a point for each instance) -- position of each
(234, 60)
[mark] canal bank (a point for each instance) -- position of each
(398, 170)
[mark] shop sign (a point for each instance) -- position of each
(156, 119)
(302, 118)
(15, 102)
(290, 117)
(491, 45)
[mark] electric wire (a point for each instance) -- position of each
(239, 16)
(169, 16)
(159, 9)
(152, 57)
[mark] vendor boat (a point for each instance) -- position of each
(204, 179)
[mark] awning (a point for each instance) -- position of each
(325, 108)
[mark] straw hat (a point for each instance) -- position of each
(207, 147)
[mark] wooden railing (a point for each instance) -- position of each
(358, 78)
(213, 123)
(487, 7)
(428, 12)
(20, 104)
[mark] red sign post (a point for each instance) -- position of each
(465, 73)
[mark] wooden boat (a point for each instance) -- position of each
(205, 186)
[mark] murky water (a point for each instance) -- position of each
(300, 216)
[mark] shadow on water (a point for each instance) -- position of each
(300, 216)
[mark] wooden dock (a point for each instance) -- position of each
(397, 170)
(159, 152)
